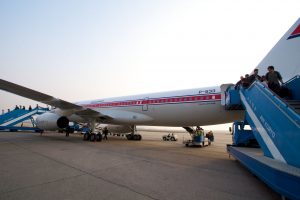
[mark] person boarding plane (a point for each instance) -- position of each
(192, 107)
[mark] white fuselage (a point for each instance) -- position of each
(201, 106)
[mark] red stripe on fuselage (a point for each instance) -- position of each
(157, 101)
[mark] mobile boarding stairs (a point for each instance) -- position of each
(275, 127)
(10, 120)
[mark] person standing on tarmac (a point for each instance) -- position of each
(105, 133)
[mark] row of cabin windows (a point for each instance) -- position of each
(180, 99)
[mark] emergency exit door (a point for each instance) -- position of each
(145, 103)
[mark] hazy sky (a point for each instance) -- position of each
(78, 50)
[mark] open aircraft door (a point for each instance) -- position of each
(224, 88)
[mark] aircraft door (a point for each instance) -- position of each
(145, 103)
(224, 88)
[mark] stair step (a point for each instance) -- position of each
(291, 100)
(296, 109)
(294, 103)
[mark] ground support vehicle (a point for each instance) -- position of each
(197, 141)
(170, 137)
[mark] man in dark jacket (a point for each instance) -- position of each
(273, 77)
(105, 133)
(254, 76)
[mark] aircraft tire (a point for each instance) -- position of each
(99, 137)
(93, 137)
(139, 137)
(129, 137)
(86, 136)
(172, 139)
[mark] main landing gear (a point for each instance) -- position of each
(87, 136)
(134, 135)
(90, 135)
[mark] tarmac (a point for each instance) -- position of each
(51, 166)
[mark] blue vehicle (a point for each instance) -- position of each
(241, 136)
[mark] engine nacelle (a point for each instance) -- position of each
(51, 121)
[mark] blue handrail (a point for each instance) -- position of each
(283, 107)
(275, 125)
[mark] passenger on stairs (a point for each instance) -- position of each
(263, 80)
(237, 85)
(254, 76)
(246, 81)
(273, 77)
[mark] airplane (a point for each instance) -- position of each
(183, 108)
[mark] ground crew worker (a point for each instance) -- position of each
(210, 136)
(197, 132)
(105, 133)
(200, 130)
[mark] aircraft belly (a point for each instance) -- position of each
(187, 114)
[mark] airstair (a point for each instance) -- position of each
(275, 124)
(9, 120)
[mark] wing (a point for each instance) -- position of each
(50, 100)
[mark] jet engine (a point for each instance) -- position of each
(51, 121)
